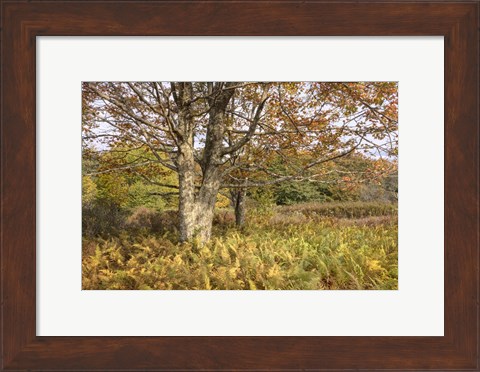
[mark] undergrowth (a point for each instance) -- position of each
(271, 252)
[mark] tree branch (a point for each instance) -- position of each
(251, 131)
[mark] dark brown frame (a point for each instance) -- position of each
(22, 21)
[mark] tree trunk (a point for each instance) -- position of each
(186, 211)
(211, 163)
(205, 205)
(204, 221)
(186, 205)
(196, 212)
(185, 161)
(240, 207)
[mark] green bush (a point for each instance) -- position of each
(288, 193)
(141, 195)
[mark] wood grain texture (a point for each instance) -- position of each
(23, 21)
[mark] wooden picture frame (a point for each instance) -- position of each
(23, 21)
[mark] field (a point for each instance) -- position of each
(342, 245)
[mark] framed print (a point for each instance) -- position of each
(156, 154)
(366, 280)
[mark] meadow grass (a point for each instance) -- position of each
(289, 248)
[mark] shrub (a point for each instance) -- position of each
(224, 218)
(288, 193)
(343, 209)
(261, 199)
(89, 191)
(102, 218)
(149, 220)
(222, 201)
(142, 218)
(140, 195)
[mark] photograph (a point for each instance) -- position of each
(239, 185)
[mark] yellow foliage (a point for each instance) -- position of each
(222, 201)
(89, 190)
(313, 254)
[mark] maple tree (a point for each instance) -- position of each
(235, 135)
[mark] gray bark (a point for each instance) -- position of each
(185, 162)
(186, 207)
